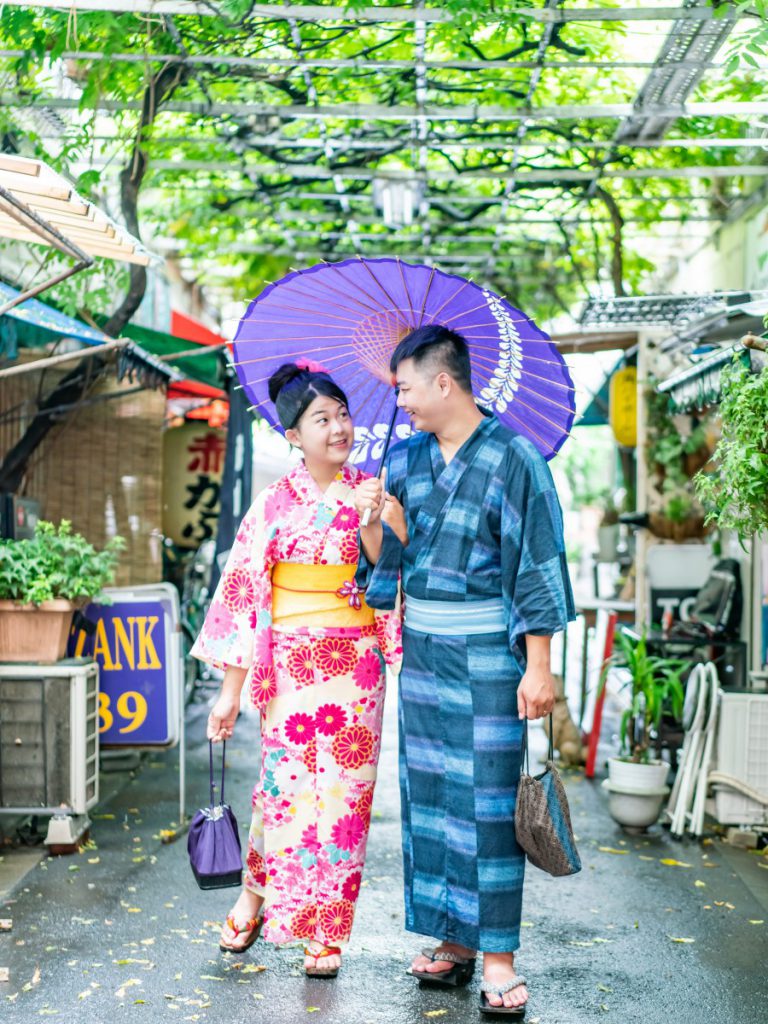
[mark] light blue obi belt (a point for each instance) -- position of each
(455, 618)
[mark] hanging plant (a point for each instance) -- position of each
(734, 487)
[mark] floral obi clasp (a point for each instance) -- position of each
(353, 593)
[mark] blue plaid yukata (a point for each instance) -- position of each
(488, 525)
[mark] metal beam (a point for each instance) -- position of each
(317, 13)
(310, 171)
(374, 111)
(344, 143)
(456, 199)
(366, 63)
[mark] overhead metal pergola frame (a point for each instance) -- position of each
(552, 162)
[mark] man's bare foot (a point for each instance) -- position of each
(239, 927)
(499, 969)
(423, 963)
(329, 963)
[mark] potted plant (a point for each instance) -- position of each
(676, 451)
(636, 782)
(42, 581)
(735, 490)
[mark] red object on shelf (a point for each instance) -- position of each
(597, 721)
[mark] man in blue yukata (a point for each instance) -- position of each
(472, 529)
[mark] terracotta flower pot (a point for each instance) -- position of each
(31, 632)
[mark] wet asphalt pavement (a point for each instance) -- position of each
(652, 931)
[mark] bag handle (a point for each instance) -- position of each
(210, 763)
(550, 746)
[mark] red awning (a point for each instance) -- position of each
(183, 326)
(189, 329)
(193, 389)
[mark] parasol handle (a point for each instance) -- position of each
(367, 514)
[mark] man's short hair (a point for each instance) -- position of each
(440, 348)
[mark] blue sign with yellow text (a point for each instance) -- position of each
(133, 642)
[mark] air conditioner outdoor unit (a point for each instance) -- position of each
(49, 737)
(742, 752)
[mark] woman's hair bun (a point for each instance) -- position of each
(283, 375)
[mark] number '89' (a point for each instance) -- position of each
(131, 706)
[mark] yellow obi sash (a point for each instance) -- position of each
(317, 595)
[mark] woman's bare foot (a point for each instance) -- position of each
(321, 963)
(423, 963)
(239, 927)
(499, 969)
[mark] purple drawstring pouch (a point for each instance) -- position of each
(213, 843)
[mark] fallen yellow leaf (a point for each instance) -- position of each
(757, 922)
(673, 939)
(610, 849)
(672, 863)
(434, 1013)
(699, 884)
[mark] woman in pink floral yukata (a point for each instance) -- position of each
(288, 620)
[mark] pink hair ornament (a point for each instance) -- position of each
(310, 365)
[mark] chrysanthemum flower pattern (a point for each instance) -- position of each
(300, 665)
(351, 888)
(367, 673)
(330, 718)
(304, 922)
(336, 920)
(335, 655)
(364, 805)
(300, 728)
(263, 685)
(348, 831)
(320, 696)
(353, 746)
(238, 591)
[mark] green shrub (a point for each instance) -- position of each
(55, 563)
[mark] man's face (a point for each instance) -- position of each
(420, 395)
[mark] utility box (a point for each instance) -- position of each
(49, 737)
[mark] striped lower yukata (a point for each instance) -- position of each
(485, 566)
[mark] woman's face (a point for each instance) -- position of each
(325, 432)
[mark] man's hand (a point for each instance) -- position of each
(370, 496)
(536, 693)
(394, 516)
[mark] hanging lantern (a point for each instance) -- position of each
(622, 406)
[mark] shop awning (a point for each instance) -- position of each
(36, 325)
(35, 322)
(37, 198)
(699, 386)
(207, 378)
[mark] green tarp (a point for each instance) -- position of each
(206, 368)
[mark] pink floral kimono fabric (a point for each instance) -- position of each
(321, 695)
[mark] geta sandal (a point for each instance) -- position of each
(458, 975)
(515, 1012)
(253, 927)
(320, 972)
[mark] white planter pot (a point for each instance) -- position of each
(635, 811)
(637, 778)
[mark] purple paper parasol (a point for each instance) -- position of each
(350, 316)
